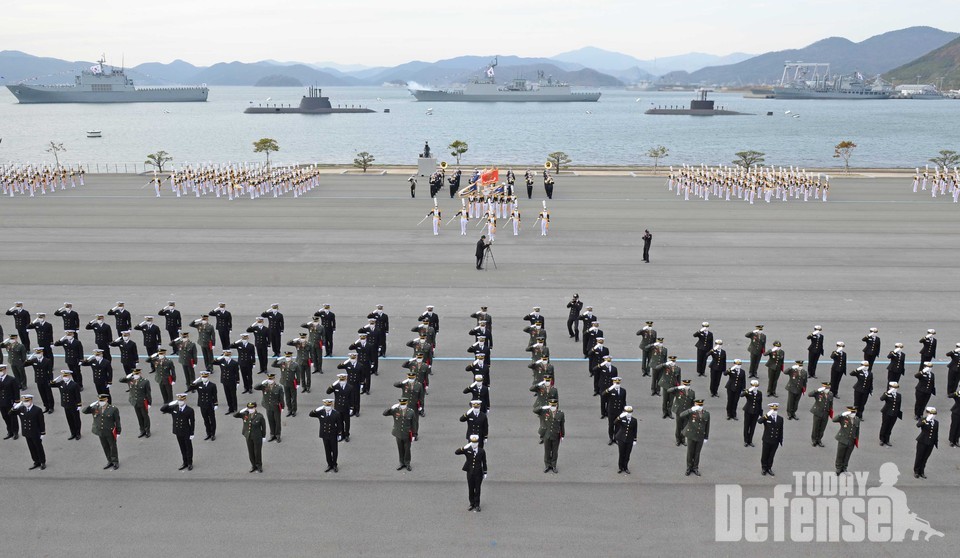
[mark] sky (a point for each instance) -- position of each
(390, 32)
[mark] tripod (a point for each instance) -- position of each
(488, 252)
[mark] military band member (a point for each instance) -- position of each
(703, 345)
(184, 425)
(928, 347)
(164, 374)
(772, 438)
(847, 437)
(331, 432)
(21, 318)
(224, 324)
(69, 401)
(151, 334)
(927, 440)
(774, 368)
(815, 349)
(573, 318)
(102, 335)
(206, 336)
(275, 318)
(758, 346)
(696, 430)
(346, 398)
(616, 402)
(187, 353)
(329, 320)
(230, 371)
(404, 430)
(751, 411)
(272, 404)
(544, 218)
(838, 368)
(898, 359)
(796, 387)
(42, 375)
(891, 411)
(71, 319)
(72, 354)
(129, 354)
(871, 349)
(9, 392)
(16, 359)
(289, 372)
(476, 468)
(822, 411)
(208, 403)
(106, 426)
(863, 388)
(926, 387)
(477, 424)
(32, 427)
(261, 337)
(736, 383)
(172, 321)
(246, 360)
(554, 430)
(255, 432)
(480, 392)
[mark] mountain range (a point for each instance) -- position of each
(588, 66)
(943, 62)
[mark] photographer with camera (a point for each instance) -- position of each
(482, 246)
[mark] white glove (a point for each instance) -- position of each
(191, 437)
(263, 383)
(318, 409)
(395, 405)
(484, 476)
(118, 437)
(634, 443)
(215, 407)
(339, 438)
(170, 404)
(264, 439)
(846, 414)
(41, 436)
(171, 384)
(350, 412)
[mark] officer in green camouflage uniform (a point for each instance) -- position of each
(206, 336)
(187, 350)
(290, 371)
(656, 355)
(846, 437)
(272, 404)
(165, 374)
(404, 430)
(822, 411)
(106, 426)
(544, 392)
(697, 432)
(683, 398)
(774, 368)
(140, 399)
(669, 373)
(554, 430)
(796, 386)
(314, 341)
(412, 391)
(648, 336)
(254, 431)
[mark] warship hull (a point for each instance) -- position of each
(504, 96)
(802, 93)
(33, 94)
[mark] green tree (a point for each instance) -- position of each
(457, 149)
(558, 158)
(56, 147)
(265, 145)
(844, 150)
(657, 153)
(158, 159)
(747, 159)
(363, 160)
(946, 158)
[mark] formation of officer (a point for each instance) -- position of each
(32, 180)
(239, 180)
(747, 184)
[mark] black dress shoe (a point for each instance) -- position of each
(696, 472)
(409, 468)
(78, 437)
(770, 472)
(546, 470)
(471, 508)
(11, 436)
(70, 438)
(207, 438)
(477, 509)
(336, 469)
(142, 434)
(253, 469)
(259, 469)
(147, 434)
(35, 466)
(688, 472)
(278, 439)
(619, 471)
(763, 473)
(109, 466)
(328, 469)
(213, 437)
(627, 471)
(190, 466)
(272, 438)
(44, 466)
(401, 467)
(182, 467)
(49, 411)
(922, 475)
(116, 465)
(916, 475)
(610, 443)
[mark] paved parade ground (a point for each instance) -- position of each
(875, 255)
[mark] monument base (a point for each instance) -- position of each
(426, 166)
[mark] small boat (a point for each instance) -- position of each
(94, 133)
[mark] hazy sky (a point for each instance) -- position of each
(389, 32)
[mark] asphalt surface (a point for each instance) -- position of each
(875, 255)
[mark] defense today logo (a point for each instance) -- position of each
(821, 506)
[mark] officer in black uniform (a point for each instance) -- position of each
(331, 432)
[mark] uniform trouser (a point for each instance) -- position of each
(46, 394)
(474, 480)
(859, 401)
(812, 360)
(364, 379)
(316, 354)
(207, 351)
(870, 359)
(733, 397)
(304, 376)
(127, 367)
(330, 450)
(923, 454)
(886, 427)
(922, 399)
(20, 373)
(793, 401)
(74, 366)
(529, 191)
(844, 451)
(186, 448)
(209, 419)
(9, 419)
(166, 391)
(655, 382)
(35, 445)
(73, 420)
(835, 377)
(954, 436)
(693, 454)
(230, 393)
(143, 417)
(596, 386)
(109, 444)
(273, 419)
(290, 397)
(701, 362)
(262, 356)
(624, 448)
(604, 398)
(549, 189)
(819, 427)
(749, 426)
(678, 433)
(573, 327)
(224, 337)
(646, 252)
(275, 340)
(666, 403)
(344, 421)
(644, 362)
(403, 449)
(611, 422)
(551, 447)
(953, 379)
(174, 335)
(767, 452)
(246, 374)
(328, 342)
(102, 389)
(716, 374)
(255, 451)
(754, 364)
(151, 350)
(25, 338)
(773, 378)
(189, 373)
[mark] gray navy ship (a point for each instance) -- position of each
(105, 84)
(311, 103)
(486, 90)
(802, 80)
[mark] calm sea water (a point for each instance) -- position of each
(613, 131)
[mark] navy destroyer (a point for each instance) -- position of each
(105, 84)
(484, 89)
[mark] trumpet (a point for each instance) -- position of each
(443, 165)
(548, 165)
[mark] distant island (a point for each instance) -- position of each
(277, 80)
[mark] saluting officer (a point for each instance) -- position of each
(254, 432)
(822, 411)
(32, 427)
(208, 403)
(229, 378)
(106, 426)
(246, 359)
(554, 430)
(331, 425)
(151, 334)
(272, 403)
(898, 359)
(477, 424)
(697, 432)
(891, 411)
(758, 346)
(329, 320)
(815, 349)
(404, 430)
(625, 434)
(70, 401)
(927, 440)
(173, 320)
(102, 335)
(122, 317)
(648, 336)
(275, 318)
(224, 323)
(772, 438)
(205, 339)
(476, 468)
(129, 355)
(847, 437)
(796, 386)
(736, 383)
(184, 424)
